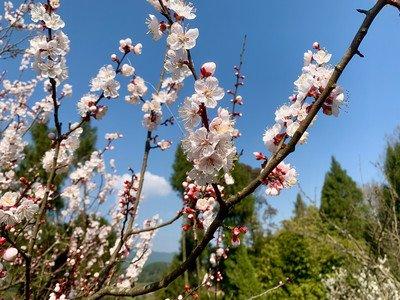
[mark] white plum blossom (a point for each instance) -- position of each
(310, 84)
(127, 70)
(113, 136)
(137, 89)
(208, 91)
(9, 216)
(152, 105)
(65, 155)
(322, 57)
(189, 113)
(53, 21)
(181, 39)
(283, 176)
(55, 3)
(67, 90)
(154, 27)
(183, 9)
(152, 120)
(38, 12)
(12, 145)
(27, 209)
(164, 144)
(177, 64)
(105, 81)
(165, 97)
(10, 254)
(125, 45)
(143, 251)
(87, 104)
(9, 199)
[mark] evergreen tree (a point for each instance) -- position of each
(392, 168)
(301, 251)
(299, 207)
(240, 272)
(342, 201)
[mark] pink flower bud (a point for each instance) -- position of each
(239, 100)
(114, 57)
(259, 156)
(138, 49)
(208, 69)
(316, 45)
(10, 254)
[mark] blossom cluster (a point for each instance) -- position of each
(316, 73)
(311, 83)
(143, 249)
(49, 53)
(62, 160)
(210, 147)
(200, 205)
(282, 176)
(373, 281)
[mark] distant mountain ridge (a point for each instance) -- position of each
(159, 256)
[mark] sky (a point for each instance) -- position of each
(278, 33)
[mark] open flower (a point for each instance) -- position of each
(9, 199)
(208, 91)
(181, 39)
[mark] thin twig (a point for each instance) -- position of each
(282, 153)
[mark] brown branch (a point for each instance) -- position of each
(395, 3)
(239, 77)
(276, 158)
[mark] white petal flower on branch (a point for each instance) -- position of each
(137, 89)
(9, 199)
(183, 9)
(322, 57)
(105, 81)
(127, 70)
(181, 39)
(177, 64)
(153, 24)
(53, 21)
(189, 112)
(208, 91)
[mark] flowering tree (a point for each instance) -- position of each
(83, 259)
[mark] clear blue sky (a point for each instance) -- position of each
(278, 34)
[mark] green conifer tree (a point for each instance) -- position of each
(342, 201)
(299, 207)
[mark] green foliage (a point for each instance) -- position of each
(299, 251)
(299, 206)
(153, 271)
(87, 143)
(242, 281)
(342, 201)
(392, 165)
(179, 169)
